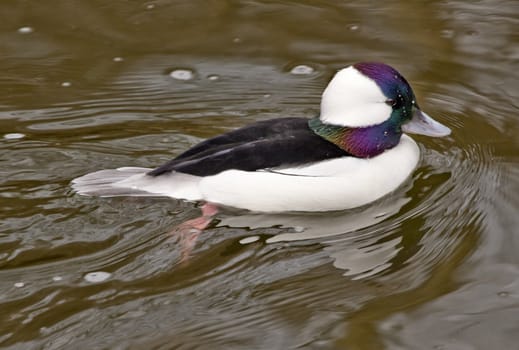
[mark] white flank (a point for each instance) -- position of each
(354, 100)
(329, 185)
(176, 185)
(334, 184)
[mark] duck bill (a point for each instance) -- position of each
(422, 124)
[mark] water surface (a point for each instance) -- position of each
(93, 85)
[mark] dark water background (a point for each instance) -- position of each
(87, 85)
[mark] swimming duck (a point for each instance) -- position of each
(353, 153)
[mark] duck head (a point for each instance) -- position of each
(366, 107)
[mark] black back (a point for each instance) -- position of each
(266, 144)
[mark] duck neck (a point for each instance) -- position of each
(362, 142)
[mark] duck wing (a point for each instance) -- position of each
(284, 142)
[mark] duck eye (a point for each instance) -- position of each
(393, 103)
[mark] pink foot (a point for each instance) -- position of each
(188, 232)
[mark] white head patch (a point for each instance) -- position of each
(354, 100)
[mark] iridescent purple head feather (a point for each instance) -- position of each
(390, 81)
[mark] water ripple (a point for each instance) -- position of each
(442, 247)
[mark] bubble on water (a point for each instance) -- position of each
(97, 276)
(25, 30)
(150, 6)
(66, 84)
(57, 278)
(250, 239)
(213, 77)
(302, 70)
(118, 59)
(19, 284)
(354, 27)
(266, 96)
(236, 40)
(14, 136)
(182, 74)
(503, 294)
(447, 33)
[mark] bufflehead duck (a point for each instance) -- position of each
(353, 153)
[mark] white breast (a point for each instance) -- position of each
(329, 185)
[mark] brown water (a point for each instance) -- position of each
(87, 86)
